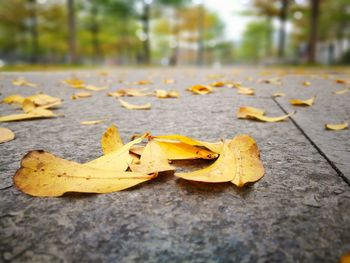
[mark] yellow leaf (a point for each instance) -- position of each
(337, 127)
(215, 147)
(342, 81)
(43, 100)
(111, 140)
(200, 89)
(91, 122)
(160, 93)
(13, 99)
(238, 163)
(43, 174)
(184, 151)
(28, 105)
(297, 102)
(37, 113)
(169, 81)
(130, 106)
(74, 83)
(345, 258)
(245, 91)
(79, 95)
(307, 83)
(251, 113)
(153, 160)
(94, 88)
(218, 84)
(6, 135)
(118, 160)
(144, 82)
(23, 82)
(278, 94)
(343, 91)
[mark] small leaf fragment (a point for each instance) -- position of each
(23, 82)
(79, 95)
(307, 83)
(252, 113)
(245, 91)
(218, 84)
(343, 91)
(6, 135)
(163, 94)
(13, 99)
(130, 106)
(74, 83)
(43, 174)
(200, 89)
(297, 102)
(91, 122)
(111, 140)
(95, 88)
(337, 127)
(238, 163)
(278, 94)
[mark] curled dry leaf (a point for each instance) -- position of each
(23, 82)
(80, 95)
(153, 160)
(43, 174)
(337, 127)
(201, 89)
(6, 135)
(239, 163)
(130, 106)
(163, 94)
(91, 122)
(252, 113)
(278, 94)
(297, 102)
(111, 140)
(343, 91)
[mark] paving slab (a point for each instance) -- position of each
(298, 212)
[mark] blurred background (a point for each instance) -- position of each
(174, 32)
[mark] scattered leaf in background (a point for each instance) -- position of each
(239, 163)
(95, 88)
(342, 81)
(13, 99)
(297, 102)
(153, 160)
(169, 81)
(337, 127)
(130, 106)
(200, 89)
(252, 113)
(44, 100)
(23, 82)
(245, 91)
(163, 94)
(43, 174)
(144, 82)
(343, 91)
(278, 94)
(36, 113)
(81, 95)
(218, 84)
(111, 140)
(91, 122)
(307, 83)
(6, 135)
(74, 83)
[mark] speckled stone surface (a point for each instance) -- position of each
(298, 212)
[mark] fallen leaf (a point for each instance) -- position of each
(337, 127)
(238, 163)
(43, 174)
(184, 151)
(144, 82)
(278, 94)
(215, 147)
(297, 102)
(200, 89)
(111, 140)
(343, 91)
(245, 91)
(130, 106)
(153, 160)
(252, 113)
(80, 95)
(36, 113)
(13, 99)
(169, 81)
(23, 82)
(95, 88)
(307, 83)
(130, 93)
(91, 122)
(44, 100)
(163, 94)
(74, 83)
(218, 84)
(6, 135)
(342, 81)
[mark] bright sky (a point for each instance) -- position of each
(229, 13)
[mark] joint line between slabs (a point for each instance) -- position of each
(346, 180)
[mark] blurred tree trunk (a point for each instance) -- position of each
(269, 34)
(174, 58)
(71, 31)
(282, 31)
(146, 41)
(33, 31)
(95, 30)
(201, 17)
(315, 10)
